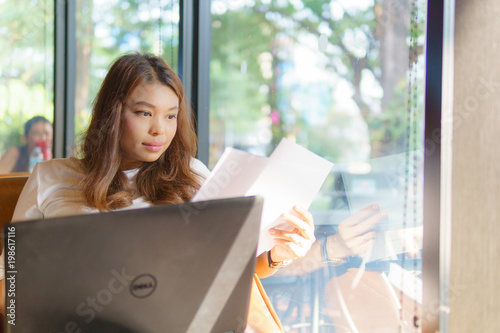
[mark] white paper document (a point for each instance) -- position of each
(291, 175)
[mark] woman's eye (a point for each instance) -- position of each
(143, 113)
(172, 116)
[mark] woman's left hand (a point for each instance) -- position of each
(295, 243)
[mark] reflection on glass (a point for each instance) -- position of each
(334, 77)
(26, 76)
(107, 29)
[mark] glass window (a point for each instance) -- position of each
(26, 81)
(345, 80)
(107, 29)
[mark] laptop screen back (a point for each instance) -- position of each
(171, 268)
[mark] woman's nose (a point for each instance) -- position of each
(156, 127)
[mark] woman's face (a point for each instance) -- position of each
(39, 131)
(149, 124)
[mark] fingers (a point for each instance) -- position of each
(361, 215)
(305, 226)
(367, 224)
(355, 233)
(350, 231)
(304, 214)
(295, 243)
(291, 236)
(295, 240)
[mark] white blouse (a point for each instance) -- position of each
(54, 189)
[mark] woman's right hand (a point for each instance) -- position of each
(355, 235)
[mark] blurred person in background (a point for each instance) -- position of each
(37, 131)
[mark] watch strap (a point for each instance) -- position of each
(326, 258)
(273, 264)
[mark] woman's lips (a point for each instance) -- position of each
(153, 146)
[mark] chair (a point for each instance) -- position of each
(10, 188)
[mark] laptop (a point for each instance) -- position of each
(170, 268)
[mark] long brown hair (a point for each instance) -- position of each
(166, 180)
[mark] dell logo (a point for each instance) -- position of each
(143, 285)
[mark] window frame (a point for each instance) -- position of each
(64, 77)
(434, 253)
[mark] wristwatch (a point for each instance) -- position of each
(326, 259)
(278, 264)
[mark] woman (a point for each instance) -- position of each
(139, 151)
(16, 159)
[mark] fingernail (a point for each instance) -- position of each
(272, 231)
(375, 207)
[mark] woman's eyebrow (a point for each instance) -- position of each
(145, 104)
(175, 107)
